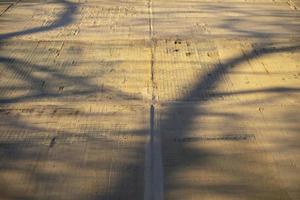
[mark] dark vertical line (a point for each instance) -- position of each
(153, 160)
(151, 149)
(153, 95)
(152, 43)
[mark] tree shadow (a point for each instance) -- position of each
(178, 122)
(64, 19)
(175, 124)
(52, 86)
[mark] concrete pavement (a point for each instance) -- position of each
(111, 99)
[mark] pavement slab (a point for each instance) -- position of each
(153, 100)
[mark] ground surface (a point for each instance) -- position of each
(181, 99)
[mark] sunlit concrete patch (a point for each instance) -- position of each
(72, 151)
(180, 65)
(212, 19)
(230, 71)
(75, 20)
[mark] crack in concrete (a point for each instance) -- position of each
(10, 6)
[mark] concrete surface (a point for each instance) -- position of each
(149, 99)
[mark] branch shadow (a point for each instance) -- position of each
(174, 126)
(179, 154)
(55, 90)
(64, 19)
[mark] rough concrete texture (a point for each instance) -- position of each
(149, 99)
